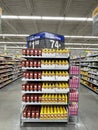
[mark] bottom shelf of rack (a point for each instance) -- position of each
(40, 120)
(89, 87)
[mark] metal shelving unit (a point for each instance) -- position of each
(91, 63)
(47, 91)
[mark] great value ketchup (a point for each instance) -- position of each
(23, 63)
(38, 63)
(31, 87)
(24, 51)
(35, 98)
(27, 75)
(28, 52)
(24, 74)
(39, 98)
(27, 63)
(28, 98)
(32, 52)
(24, 98)
(24, 113)
(27, 87)
(35, 52)
(35, 63)
(31, 63)
(39, 52)
(33, 113)
(23, 87)
(39, 75)
(35, 75)
(28, 114)
(32, 98)
(39, 87)
(31, 75)
(35, 87)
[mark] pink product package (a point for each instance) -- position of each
(74, 70)
(74, 82)
(73, 109)
(73, 96)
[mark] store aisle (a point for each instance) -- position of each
(10, 102)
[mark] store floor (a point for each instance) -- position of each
(10, 102)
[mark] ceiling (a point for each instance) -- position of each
(64, 8)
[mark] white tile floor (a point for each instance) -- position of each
(10, 102)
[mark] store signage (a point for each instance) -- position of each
(45, 40)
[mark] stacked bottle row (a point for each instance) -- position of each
(45, 112)
(46, 75)
(45, 98)
(74, 70)
(73, 109)
(45, 52)
(45, 63)
(74, 94)
(45, 86)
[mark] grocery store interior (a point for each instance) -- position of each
(48, 64)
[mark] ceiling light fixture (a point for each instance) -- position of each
(83, 19)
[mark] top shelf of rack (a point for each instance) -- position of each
(45, 57)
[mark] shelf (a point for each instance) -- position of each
(40, 103)
(89, 81)
(40, 120)
(5, 71)
(48, 91)
(45, 57)
(5, 79)
(30, 68)
(92, 55)
(44, 80)
(89, 60)
(93, 73)
(88, 87)
(6, 67)
(6, 75)
(93, 67)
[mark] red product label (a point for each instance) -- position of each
(27, 63)
(28, 98)
(24, 114)
(27, 87)
(39, 75)
(24, 99)
(31, 87)
(23, 63)
(35, 87)
(35, 98)
(32, 52)
(35, 63)
(31, 63)
(28, 114)
(39, 87)
(32, 98)
(35, 52)
(23, 87)
(33, 114)
(28, 52)
(35, 75)
(39, 52)
(39, 63)
(24, 74)
(27, 75)
(24, 51)
(31, 75)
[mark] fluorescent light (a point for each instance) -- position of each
(85, 37)
(83, 19)
(66, 36)
(14, 35)
(82, 48)
(81, 44)
(20, 43)
(52, 18)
